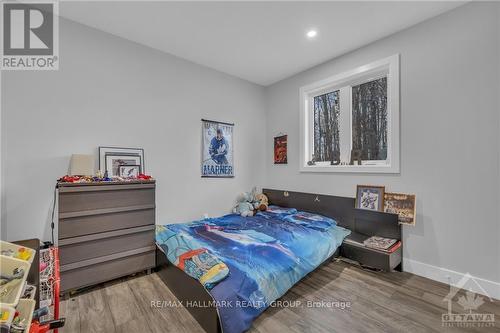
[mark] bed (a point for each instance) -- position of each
(254, 260)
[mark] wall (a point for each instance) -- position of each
(110, 91)
(449, 140)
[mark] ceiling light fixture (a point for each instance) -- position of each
(311, 34)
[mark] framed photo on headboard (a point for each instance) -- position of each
(370, 197)
(402, 204)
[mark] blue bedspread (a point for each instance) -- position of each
(266, 255)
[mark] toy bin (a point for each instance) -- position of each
(16, 251)
(17, 271)
(6, 316)
(25, 307)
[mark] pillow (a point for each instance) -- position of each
(277, 212)
(310, 220)
(280, 210)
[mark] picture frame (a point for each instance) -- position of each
(217, 150)
(404, 205)
(113, 162)
(109, 156)
(370, 197)
(129, 171)
(281, 149)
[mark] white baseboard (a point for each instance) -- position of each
(480, 286)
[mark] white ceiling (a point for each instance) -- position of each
(262, 42)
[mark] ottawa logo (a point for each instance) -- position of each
(470, 302)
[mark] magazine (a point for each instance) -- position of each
(379, 243)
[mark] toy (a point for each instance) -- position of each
(262, 202)
(244, 205)
(23, 254)
(17, 273)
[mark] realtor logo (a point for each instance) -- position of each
(30, 36)
(470, 317)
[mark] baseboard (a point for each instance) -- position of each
(465, 281)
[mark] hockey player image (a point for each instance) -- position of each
(218, 148)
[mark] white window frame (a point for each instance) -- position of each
(385, 67)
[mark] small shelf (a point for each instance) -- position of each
(372, 257)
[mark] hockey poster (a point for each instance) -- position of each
(217, 149)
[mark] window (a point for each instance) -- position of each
(350, 122)
(369, 119)
(326, 126)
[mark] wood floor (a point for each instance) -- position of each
(379, 302)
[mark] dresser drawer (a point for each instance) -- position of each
(105, 271)
(90, 198)
(98, 245)
(91, 224)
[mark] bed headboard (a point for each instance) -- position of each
(341, 209)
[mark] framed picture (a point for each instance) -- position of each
(280, 149)
(402, 204)
(129, 171)
(110, 158)
(370, 197)
(217, 149)
(113, 162)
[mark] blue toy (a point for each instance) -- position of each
(244, 204)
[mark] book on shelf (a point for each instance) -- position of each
(396, 246)
(379, 243)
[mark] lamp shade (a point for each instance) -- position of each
(81, 165)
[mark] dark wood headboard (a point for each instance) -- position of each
(341, 209)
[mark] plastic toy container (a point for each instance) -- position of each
(10, 292)
(29, 292)
(25, 307)
(17, 252)
(6, 316)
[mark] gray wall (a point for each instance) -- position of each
(110, 91)
(449, 137)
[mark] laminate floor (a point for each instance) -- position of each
(365, 302)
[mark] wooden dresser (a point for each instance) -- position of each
(105, 230)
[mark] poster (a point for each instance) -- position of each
(402, 204)
(280, 149)
(217, 149)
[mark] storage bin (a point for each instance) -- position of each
(6, 316)
(16, 251)
(11, 291)
(25, 307)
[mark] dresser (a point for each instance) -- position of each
(105, 231)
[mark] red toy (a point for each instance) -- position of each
(69, 179)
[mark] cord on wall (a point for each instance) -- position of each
(52, 225)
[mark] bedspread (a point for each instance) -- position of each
(266, 255)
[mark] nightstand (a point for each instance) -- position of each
(371, 257)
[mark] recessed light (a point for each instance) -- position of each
(311, 33)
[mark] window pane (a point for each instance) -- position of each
(326, 127)
(369, 119)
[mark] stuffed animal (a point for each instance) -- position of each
(244, 205)
(262, 202)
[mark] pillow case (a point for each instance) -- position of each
(310, 220)
(280, 210)
(274, 211)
